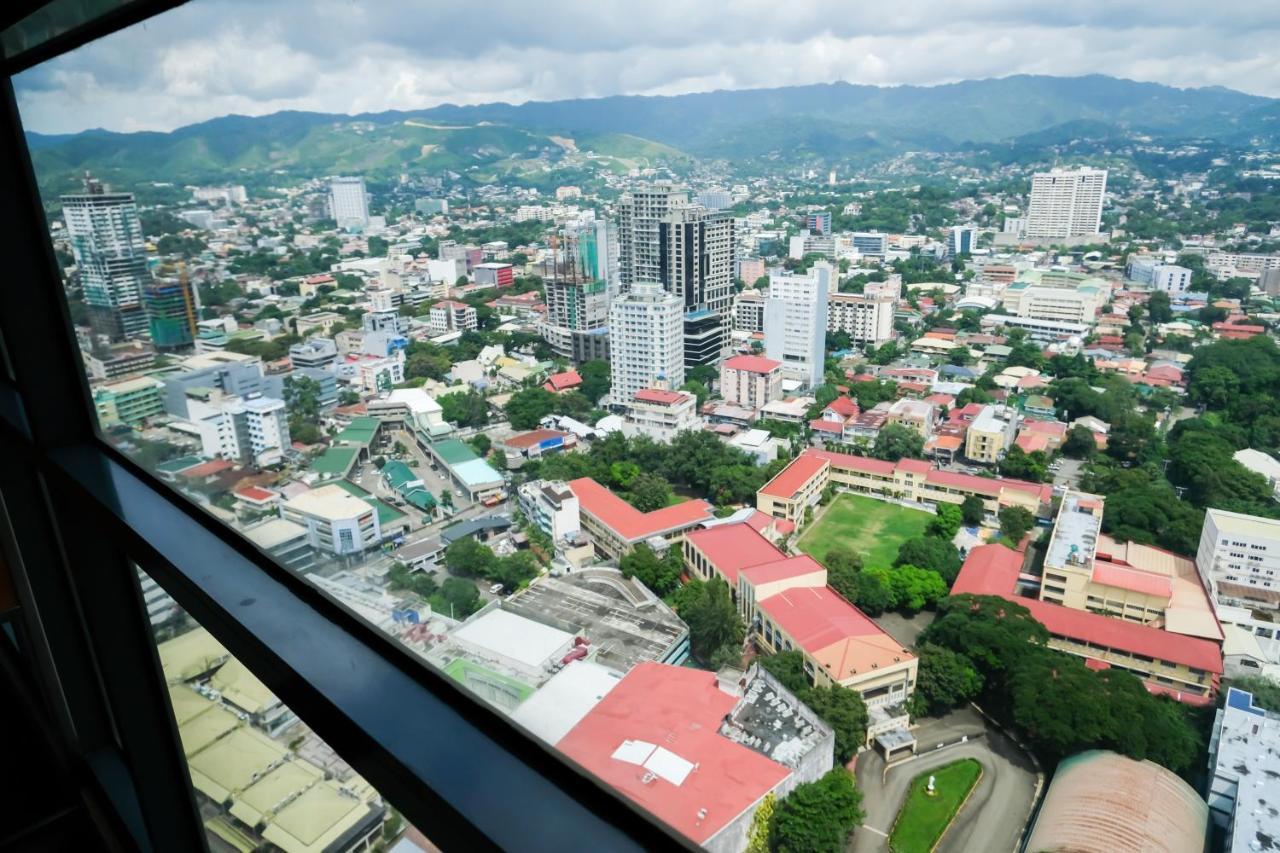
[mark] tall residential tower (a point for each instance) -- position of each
(646, 340)
(1066, 203)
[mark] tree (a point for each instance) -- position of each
(1015, 521)
(992, 632)
(480, 443)
(1158, 307)
(464, 408)
(466, 557)
(930, 552)
(457, 597)
(1020, 465)
(529, 406)
(844, 711)
(843, 566)
(895, 442)
(707, 608)
(302, 399)
(875, 591)
(758, 833)
(660, 574)
(945, 679)
(946, 521)
(649, 492)
(788, 668)
(697, 389)
(1079, 443)
(595, 379)
(972, 510)
(914, 588)
(817, 817)
(514, 570)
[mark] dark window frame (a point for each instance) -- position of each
(76, 515)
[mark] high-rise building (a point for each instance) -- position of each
(580, 282)
(871, 243)
(646, 340)
(867, 320)
(111, 257)
(795, 323)
(1066, 203)
(639, 213)
(819, 223)
(696, 264)
(171, 312)
(348, 203)
(962, 240)
(1171, 278)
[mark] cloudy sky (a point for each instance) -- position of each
(216, 57)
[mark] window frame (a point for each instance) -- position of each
(76, 515)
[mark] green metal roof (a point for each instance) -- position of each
(173, 466)
(360, 431)
(398, 475)
(335, 461)
(453, 451)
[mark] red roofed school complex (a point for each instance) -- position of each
(1131, 606)
(800, 485)
(787, 604)
(615, 526)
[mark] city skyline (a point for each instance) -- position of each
(196, 62)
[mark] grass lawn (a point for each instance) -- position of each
(923, 818)
(872, 528)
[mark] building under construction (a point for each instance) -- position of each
(578, 291)
(172, 310)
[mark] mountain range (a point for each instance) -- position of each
(827, 123)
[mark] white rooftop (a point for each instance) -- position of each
(1245, 756)
(529, 643)
(563, 701)
(332, 503)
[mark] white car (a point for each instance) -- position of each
(496, 589)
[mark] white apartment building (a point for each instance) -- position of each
(253, 430)
(336, 521)
(349, 203)
(640, 212)
(795, 323)
(552, 506)
(750, 381)
(748, 311)
(1055, 295)
(867, 320)
(660, 414)
(110, 251)
(1227, 264)
(646, 340)
(1066, 203)
(451, 316)
(1171, 278)
(1244, 762)
(1239, 561)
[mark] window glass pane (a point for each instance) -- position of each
(262, 778)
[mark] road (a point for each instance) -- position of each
(1069, 474)
(992, 819)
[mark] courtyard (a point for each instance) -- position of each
(874, 529)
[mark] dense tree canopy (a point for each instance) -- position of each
(817, 817)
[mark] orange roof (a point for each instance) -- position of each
(753, 364)
(629, 523)
(657, 395)
(789, 480)
(839, 636)
(733, 547)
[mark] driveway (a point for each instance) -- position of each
(993, 818)
(1069, 474)
(905, 629)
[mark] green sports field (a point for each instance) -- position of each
(872, 528)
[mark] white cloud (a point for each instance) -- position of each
(215, 57)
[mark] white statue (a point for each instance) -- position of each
(930, 790)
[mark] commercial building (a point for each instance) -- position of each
(337, 522)
(750, 381)
(1055, 295)
(646, 340)
(1244, 760)
(1037, 329)
(1171, 278)
(819, 223)
(800, 485)
(252, 430)
(494, 275)
(748, 312)
(414, 408)
(700, 751)
(317, 353)
(451, 316)
(696, 264)
(624, 621)
(349, 203)
(111, 258)
(867, 320)
(750, 270)
(288, 544)
(961, 240)
(660, 414)
(468, 471)
(615, 526)
(552, 506)
(916, 415)
(130, 401)
(171, 312)
(991, 434)
(119, 361)
(795, 323)
(1101, 802)
(1066, 203)
(871, 243)
(1186, 668)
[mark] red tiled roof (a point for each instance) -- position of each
(843, 406)
(788, 567)
(733, 547)
(753, 364)
(657, 395)
(837, 634)
(852, 462)
(1133, 580)
(255, 493)
(1030, 442)
(206, 469)
(822, 425)
(914, 466)
(562, 381)
(787, 481)
(993, 570)
(629, 523)
(532, 438)
(677, 709)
